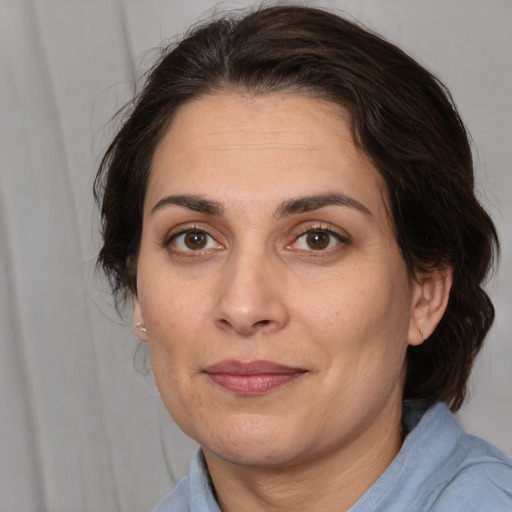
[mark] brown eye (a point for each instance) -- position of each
(195, 240)
(318, 240)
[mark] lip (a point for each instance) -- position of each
(252, 377)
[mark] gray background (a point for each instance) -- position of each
(80, 428)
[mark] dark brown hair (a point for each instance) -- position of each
(402, 117)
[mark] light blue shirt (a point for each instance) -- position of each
(440, 468)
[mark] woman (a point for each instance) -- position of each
(290, 204)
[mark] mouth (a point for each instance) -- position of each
(252, 378)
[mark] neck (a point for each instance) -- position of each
(331, 482)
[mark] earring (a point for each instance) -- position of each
(141, 327)
(422, 335)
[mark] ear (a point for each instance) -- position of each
(430, 298)
(138, 320)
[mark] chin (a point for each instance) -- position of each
(257, 455)
(252, 443)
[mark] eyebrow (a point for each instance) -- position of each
(192, 202)
(315, 202)
(292, 206)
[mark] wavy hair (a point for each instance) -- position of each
(402, 117)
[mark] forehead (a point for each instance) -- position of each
(271, 147)
(279, 121)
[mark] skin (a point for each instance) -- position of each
(337, 304)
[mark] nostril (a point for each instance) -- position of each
(250, 313)
(246, 329)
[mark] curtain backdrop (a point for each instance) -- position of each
(81, 426)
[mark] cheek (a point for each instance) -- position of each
(355, 306)
(175, 322)
(172, 319)
(171, 306)
(362, 323)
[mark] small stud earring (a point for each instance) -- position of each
(141, 327)
(422, 335)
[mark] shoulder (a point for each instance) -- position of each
(441, 468)
(481, 481)
(193, 493)
(177, 500)
(465, 472)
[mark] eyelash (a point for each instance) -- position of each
(319, 229)
(174, 236)
(310, 230)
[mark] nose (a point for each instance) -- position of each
(252, 297)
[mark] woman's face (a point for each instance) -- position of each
(277, 305)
